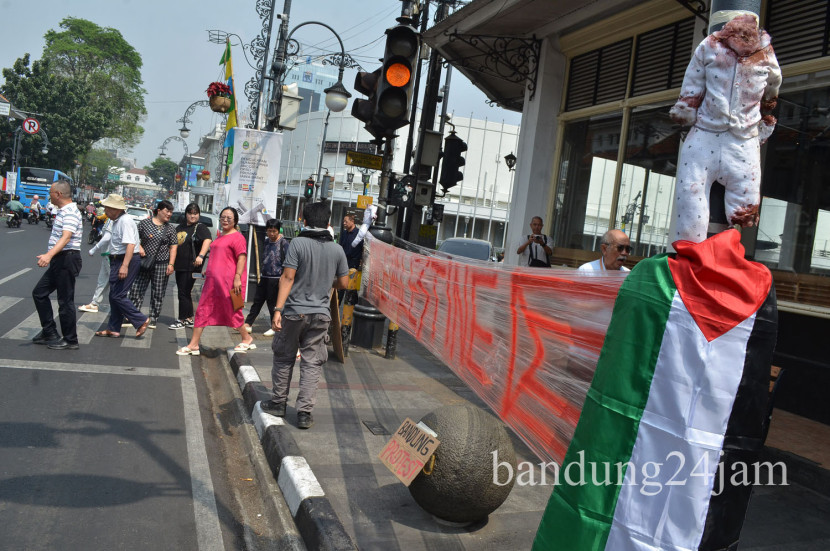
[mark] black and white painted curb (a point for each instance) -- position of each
(313, 513)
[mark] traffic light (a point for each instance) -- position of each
(364, 109)
(452, 162)
(324, 187)
(309, 189)
(394, 89)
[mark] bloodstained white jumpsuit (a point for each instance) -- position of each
(721, 96)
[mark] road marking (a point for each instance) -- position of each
(14, 275)
(16, 231)
(8, 302)
(88, 324)
(132, 342)
(28, 328)
(208, 530)
(90, 368)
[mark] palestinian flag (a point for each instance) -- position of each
(680, 396)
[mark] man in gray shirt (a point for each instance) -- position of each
(313, 266)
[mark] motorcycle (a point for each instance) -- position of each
(48, 218)
(13, 220)
(33, 217)
(95, 233)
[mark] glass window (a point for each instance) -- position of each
(794, 230)
(648, 179)
(586, 181)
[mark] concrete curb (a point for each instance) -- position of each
(313, 514)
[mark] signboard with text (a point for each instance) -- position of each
(364, 160)
(364, 201)
(409, 450)
(253, 175)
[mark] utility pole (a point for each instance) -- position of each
(413, 213)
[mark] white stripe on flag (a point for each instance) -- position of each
(680, 433)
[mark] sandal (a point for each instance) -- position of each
(187, 351)
(143, 329)
(242, 347)
(108, 333)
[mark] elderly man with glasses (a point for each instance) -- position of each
(615, 247)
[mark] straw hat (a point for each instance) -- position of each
(114, 201)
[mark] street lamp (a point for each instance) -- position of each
(186, 152)
(510, 160)
(184, 131)
(337, 97)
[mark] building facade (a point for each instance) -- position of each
(598, 149)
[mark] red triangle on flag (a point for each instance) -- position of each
(718, 286)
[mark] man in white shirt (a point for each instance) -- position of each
(536, 247)
(124, 266)
(615, 247)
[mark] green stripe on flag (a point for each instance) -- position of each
(580, 511)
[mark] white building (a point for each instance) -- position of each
(477, 207)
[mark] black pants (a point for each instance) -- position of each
(60, 276)
(184, 284)
(266, 293)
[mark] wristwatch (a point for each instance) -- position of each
(278, 310)
(201, 256)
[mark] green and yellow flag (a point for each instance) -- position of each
(229, 127)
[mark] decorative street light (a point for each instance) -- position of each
(184, 131)
(510, 160)
(163, 148)
(337, 97)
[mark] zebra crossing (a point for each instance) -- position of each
(21, 311)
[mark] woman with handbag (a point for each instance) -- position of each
(194, 241)
(221, 300)
(158, 254)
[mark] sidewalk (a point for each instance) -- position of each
(346, 498)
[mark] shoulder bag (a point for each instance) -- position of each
(538, 262)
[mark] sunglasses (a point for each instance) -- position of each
(626, 248)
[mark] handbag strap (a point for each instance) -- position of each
(193, 240)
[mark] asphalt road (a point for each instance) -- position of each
(117, 445)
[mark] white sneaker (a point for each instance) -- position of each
(269, 333)
(88, 308)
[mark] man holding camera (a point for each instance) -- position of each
(535, 249)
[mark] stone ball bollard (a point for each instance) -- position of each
(460, 488)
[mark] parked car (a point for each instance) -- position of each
(138, 213)
(208, 219)
(477, 249)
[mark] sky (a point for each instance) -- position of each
(179, 61)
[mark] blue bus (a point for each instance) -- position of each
(37, 181)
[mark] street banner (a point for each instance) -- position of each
(11, 182)
(254, 183)
(526, 340)
(220, 197)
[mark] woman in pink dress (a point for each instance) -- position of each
(224, 275)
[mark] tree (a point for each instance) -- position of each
(109, 65)
(95, 167)
(162, 171)
(72, 123)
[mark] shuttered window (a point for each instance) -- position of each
(798, 29)
(662, 56)
(599, 76)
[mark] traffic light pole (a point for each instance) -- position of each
(413, 213)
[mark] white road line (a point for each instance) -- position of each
(90, 368)
(15, 231)
(28, 328)
(88, 324)
(14, 275)
(208, 530)
(8, 302)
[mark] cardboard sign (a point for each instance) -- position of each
(408, 451)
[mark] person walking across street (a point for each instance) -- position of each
(194, 240)
(159, 242)
(535, 249)
(124, 266)
(224, 276)
(313, 266)
(104, 272)
(63, 264)
(273, 254)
